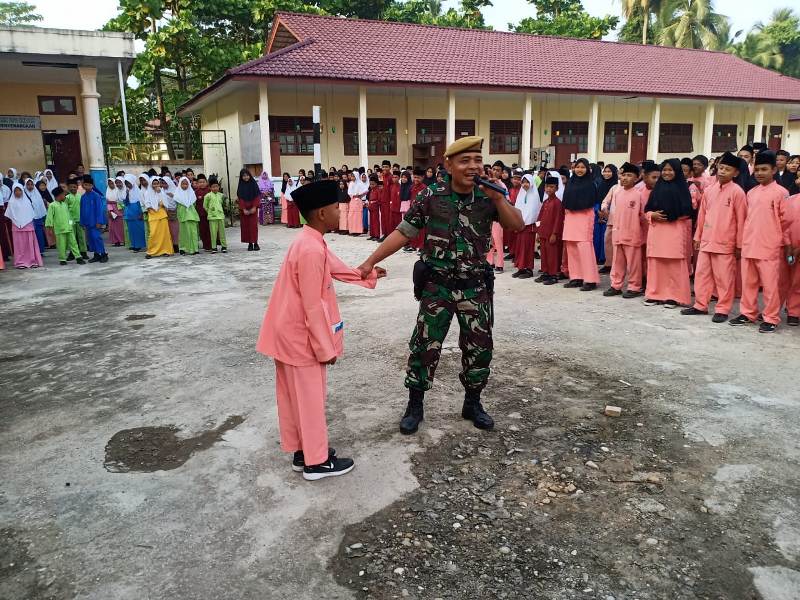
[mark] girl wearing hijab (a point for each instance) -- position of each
(356, 190)
(168, 188)
(39, 211)
(266, 212)
(580, 198)
(529, 204)
(608, 179)
(159, 242)
(132, 213)
(344, 204)
(188, 218)
(49, 236)
(144, 190)
(286, 183)
(292, 212)
(668, 209)
(248, 196)
(50, 180)
(6, 248)
(26, 245)
(116, 229)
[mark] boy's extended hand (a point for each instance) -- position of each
(380, 271)
(365, 269)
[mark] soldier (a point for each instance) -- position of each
(452, 277)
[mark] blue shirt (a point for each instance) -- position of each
(93, 209)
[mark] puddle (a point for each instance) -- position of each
(139, 317)
(148, 449)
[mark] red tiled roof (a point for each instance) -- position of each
(357, 50)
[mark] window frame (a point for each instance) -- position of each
(380, 130)
(580, 135)
(503, 141)
(671, 144)
(56, 100)
(619, 146)
(732, 144)
(304, 135)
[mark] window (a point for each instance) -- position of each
(751, 134)
(57, 105)
(431, 130)
(464, 128)
(570, 132)
(615, 137)
(504, 137)
(381, 137)
(724, 138)
(675, 137)
(295, 135)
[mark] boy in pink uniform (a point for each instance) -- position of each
(628, 234)
(765, 243)
(793, 275)
(302, 331)
(720, 227)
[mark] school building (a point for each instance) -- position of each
(54, 82)
(403, 92)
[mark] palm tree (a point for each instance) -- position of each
(759, 49)
(630, 8)
(692, 24)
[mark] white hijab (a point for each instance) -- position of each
(560, 190)
(363, 186)
(290, 187)
(36, 200)
(134, 194)
(153, 199)
(529, 202)
(14, 173)
(185, 197)
(51, 182)
(169, 193)
(111, 191)
(19, 210)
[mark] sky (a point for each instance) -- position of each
(95, 13)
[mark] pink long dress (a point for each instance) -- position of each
(355, 218)
(116, 230)
(579, 246)
(26, 247)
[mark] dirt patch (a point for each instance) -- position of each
(559, 501)
(148, 449)
(21, 575)
(139, 317)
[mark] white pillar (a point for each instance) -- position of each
(91, 126)
(363, 157)
(122, 100)
(655, 131)
(594, 128)
(757, 137)
(263, 125)
(451, 117)
(708, 130)
(527, 117)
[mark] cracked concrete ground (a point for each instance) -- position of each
(87, 352)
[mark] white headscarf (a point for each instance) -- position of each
(51, 183)
(290, 187)
(560, 190)
(146, 177)
(363, 186)
(152, 199)
(14, 175)
(19, 210)
(529, 202)
(134, 194)
(169, 193)
(111, 191)
(36, 200)
(185, 197)
(352, 186)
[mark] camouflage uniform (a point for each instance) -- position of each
(457, 240)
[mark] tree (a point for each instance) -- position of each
(14, 14)
(565, 18)
(775, 45)
(641, 10)
(636, 30)
(692, 24)
(429, 12)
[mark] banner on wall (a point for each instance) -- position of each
(20, 122)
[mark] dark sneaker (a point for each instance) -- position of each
(719, 318)
(95, 258)
(670, 304)
(561, 276)
(80, 261)
(574, 283)
(70, 256)
(604, 270)
(256, 247)
(693, 311)
(333, 468)
(148, 256)
(525, 274)
(473, 411)
(224, 250)
(740, 320)
(250, 247)
(182, 252)
(793, 321)
(612, 292)
(541, 278)
(414, 414)
(299, 463)
(767, 327)
(648, 302)
(498, 269)
(551, 280)
(509, 256)
(631, 294)
(516, 274)
(104, 258)
(588, 287)
(62, 262)
(85, 255)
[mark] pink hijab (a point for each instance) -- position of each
(265, 183)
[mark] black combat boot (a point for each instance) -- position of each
(414, 413)
(473, 411)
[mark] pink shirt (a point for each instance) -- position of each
(302, 325)
(629, 220)
(793, 216)
(720, 222)
(766, 229)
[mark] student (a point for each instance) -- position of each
(529, 205)
(266, 211)
(374, 208)
(26, 245)
(627, 234)
(6, 247)
(168, 188)
(580, 198)
(132, 213)
(417, 186)
(496, 254)
(59, 221)
(609, 179)
(550, 230)
(303, 332)
(386, 199)
(765, 244)
(188, 218)
(50, 180)
(791, 290)
(394, 202)
(720, 226)
(116, 230)
(406, 184)
(249, 198)
(357, 191)
(746, 152)
(74, 204)
(159, 242)
(93, 219)
(39, 212)
(216, 216)
(699, 168)
(669, 206)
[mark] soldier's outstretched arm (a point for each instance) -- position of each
(393, 242)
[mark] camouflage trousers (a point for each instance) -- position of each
(436, 309)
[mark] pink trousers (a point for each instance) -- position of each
(715, 275)
(668, 279)
(301, 393)
(581, 261)
(495, 256)
(355, 216)
(627, 259)
(793, 292)
(765, 274)
(344, 219)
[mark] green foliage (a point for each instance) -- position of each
(632, 30)
(775, 45)
(429, 12)
(691, 24)
(565, 18)
(14, 14)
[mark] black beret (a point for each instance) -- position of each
(316, 195)
(629, 168)
(88, 179)
(730, 159)
(552, 181)
(765, 157)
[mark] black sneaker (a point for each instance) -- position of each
(574, 283)
(693, 311)
(299, 463)
(509, 256)
(473, 411)
(95, 258)
(561, 276)
(631, 294)
(62, 262)
(224, 250)
(332, 468)
(104, 258)
(551, 280)
(648, 302)
(182, 252)
(604, 270)
(85, 255)
(80, 261)
(214, 250)
(793, 321)
(612, 291)
(719, 318)
(767, 328)
(526, 274)
(670, 304)
(414, 414)
(256, 247)
(498, 269)
(588, 287)
(70, 256)
(148, 256)
(517, 273)
(541, 278)
(740, 320)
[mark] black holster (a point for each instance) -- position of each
(420, 277)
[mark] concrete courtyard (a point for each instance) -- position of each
(140, 459)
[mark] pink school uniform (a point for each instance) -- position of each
(791, 291)
(628, 238)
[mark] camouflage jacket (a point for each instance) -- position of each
(458, 231)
